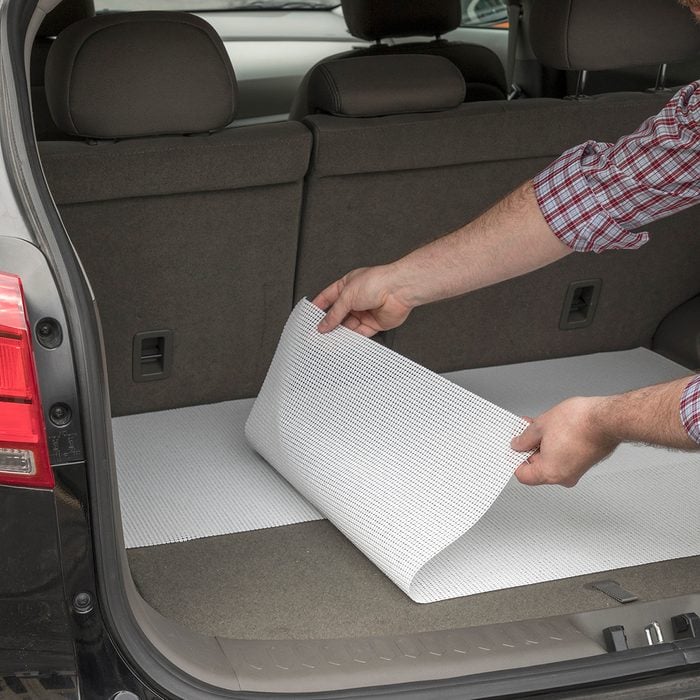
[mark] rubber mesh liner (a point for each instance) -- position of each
(189, 473)
(406, 463)
(399, 459)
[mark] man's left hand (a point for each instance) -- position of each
(569, 440)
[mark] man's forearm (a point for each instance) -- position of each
(510, 239)
(651, 415)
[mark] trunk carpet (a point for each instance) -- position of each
(307, 581)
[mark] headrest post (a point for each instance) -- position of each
(661, 78)
(581, 83)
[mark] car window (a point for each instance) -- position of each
(212, 5)
(474, 12)
(485, 13)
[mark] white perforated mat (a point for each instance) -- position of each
(409, 466)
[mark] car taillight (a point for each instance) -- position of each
(24, 457)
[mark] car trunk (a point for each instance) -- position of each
(277, 597)
(197, 246)
(297, 607)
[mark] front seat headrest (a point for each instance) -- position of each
(373, 20)
(608, 35)
(140, 74)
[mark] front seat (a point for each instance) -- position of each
(377, 20)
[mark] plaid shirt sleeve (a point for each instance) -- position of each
(595, 194)
(690, 408)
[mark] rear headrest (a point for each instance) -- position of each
(64, 14)
(612, 34)
(380, 19)
(374, 86)
(140, 74)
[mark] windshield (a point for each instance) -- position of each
(212, 5)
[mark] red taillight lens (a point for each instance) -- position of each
(24, 457)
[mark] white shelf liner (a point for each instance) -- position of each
(405, 463)
(413, 468)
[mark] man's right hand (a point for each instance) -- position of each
(366, 300)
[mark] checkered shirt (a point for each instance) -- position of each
(595, 193)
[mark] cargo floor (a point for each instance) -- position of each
(307, 581)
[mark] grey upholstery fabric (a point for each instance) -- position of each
(602, 35)
(381, 85)
(378, 188)
(481, 69)
(194, 234)
(307, 581)
(519, 320)
(678, 336)
(473, 133)
(197, 235)
(44, 126)
(203, 243)
(64, 14)
(140, 74)
(381, 19)
(231, 159)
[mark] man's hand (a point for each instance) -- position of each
(579, 432)
(570, 442)
(367, 300)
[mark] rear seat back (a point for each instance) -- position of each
(384, 184)
(186, 231)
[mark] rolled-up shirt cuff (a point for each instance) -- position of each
(570, 208)
(690, 408)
